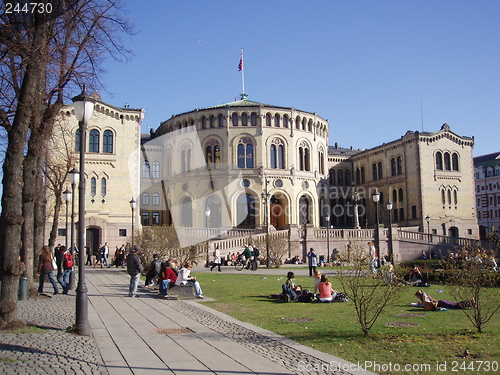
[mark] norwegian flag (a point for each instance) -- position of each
(240, 65)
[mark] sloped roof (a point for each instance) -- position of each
(487, 158)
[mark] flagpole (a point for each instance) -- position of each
(242, 70)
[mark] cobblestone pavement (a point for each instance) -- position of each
(53, 350)
(265, 346)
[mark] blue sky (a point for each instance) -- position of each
(366, 66)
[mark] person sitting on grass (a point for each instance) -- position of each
(317, 280)
(326, 292)
(430, 304)
(290, 289)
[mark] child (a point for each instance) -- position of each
(317, 280)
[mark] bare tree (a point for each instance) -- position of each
(369, 292)
(278, 248)
(42, 56)
(475, 280)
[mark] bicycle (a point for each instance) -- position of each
(239, 264)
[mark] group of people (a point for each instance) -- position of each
(249, 254)
(165, 273)
(61, 260)
(323, 290)
(100, 256)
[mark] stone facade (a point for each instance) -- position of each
(111, 171)
(487, 180)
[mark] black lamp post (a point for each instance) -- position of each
(391, 252)
(207, 215)
(67, 198)
(265, 198)
(133, 204)
(428, 220)
(327, 218)
(376, 199)
(84, 107)
(73, 178)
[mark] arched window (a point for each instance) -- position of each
(268, 119)
(145, 169)
(212, 154)
(393, 167)
(103, 187)
(107, 142)
(156, 169)
(277, 155)
(362, 175)
(443, 196)
(245, 153)
(77, 140)
(304, 123)
(212, 121)
(235, 119)
(455, 197)
(145, 199)
(221, 121)
(93, 184)
(253, 119)
(454, 161)
(187, 212)
(245, 211)
(244, 119)
(297, 123)
(285, 121)
(277, 120)
(304, 217)
(321, 157)
(439, 161)
(449, 196)
(203, 122)
(447, 161)
(94, 140)
(168, 161)
(380, 175)
(400, 194)
(340, 177)
(304, 157)
(374, 170)
(156, 199)
(399, 163)
(185, 158)
(348, 177)
(332, 176)
(394, 196)
(358, 176)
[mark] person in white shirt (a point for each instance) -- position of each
(184, 278)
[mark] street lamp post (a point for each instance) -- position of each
(355, 198)
(428, 220)
(84, 107)
(327, 218)
(265, 198)
(376, 199)
(73, 178)
(133, 204)
(391, 251)
(67, 198)
(207, 215)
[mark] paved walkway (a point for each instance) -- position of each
(149, 335)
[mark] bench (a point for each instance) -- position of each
(182, 292)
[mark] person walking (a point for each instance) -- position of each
(105, 255)
(312, 261)
(134, 269)
(65, 263)
(45, 268)
(88, 251)
(217, 259)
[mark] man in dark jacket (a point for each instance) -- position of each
(134, 269)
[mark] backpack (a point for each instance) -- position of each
(256, 252)
(68, 260)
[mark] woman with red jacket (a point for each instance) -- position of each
(168, 277)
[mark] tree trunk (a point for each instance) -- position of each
(11, 219)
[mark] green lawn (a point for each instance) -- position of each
(441, 337)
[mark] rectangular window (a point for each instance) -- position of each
(156, 218)
(145, 218)
(469, 231)
(61, 232)
(122, 232)
(413, 212)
